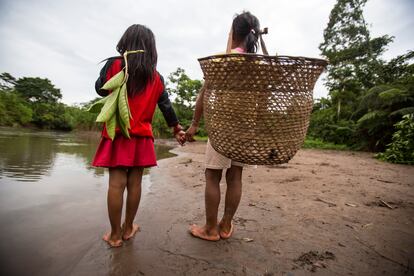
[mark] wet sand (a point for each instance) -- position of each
(324, 213)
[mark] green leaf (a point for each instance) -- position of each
(390, 94)
(123, 106)
(111, 126)
(373, 115)
(403, 111)
(123, 128)
(109, 107)
(97, 106)
(114, 82)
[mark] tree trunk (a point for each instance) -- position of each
(339, 108)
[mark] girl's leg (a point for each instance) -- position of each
(233, 196)
(117, 183)
(212, 200)
(133, 199)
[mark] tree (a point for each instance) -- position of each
(184, 89)
(7, 81)
(353, 55)
(37, 90)
(382, 106)
(13, 109)
(36, 101)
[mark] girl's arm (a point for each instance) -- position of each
(198, 112)
(170, 117)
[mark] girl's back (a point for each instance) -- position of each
(142, 103)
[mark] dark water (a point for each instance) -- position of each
(49, 195)
(29, 155)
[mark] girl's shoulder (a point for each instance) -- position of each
(158, 81)
(112, 66)
(159, 77)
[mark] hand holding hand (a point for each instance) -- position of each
(179, 134)
(180, 137)
(191, 131)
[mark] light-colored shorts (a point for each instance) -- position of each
(216, 161)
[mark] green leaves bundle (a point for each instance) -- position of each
(114, 109)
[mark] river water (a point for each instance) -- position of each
(49, 196)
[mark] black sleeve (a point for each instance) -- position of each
(166, 108)
(102, 78)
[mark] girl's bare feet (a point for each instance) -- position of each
(112, 242)
(129, 232)
(226, 230)
(204, 233)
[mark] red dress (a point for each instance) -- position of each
(139, 150)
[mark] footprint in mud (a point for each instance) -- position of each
(242, 221)
(328, 164)
(313, 260)
(291, 179)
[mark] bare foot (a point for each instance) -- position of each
(112, 242)
(225, 230)
(204, 233)
(130, 233)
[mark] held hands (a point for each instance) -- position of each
(180, 137)
(191, 131)
(179, 134)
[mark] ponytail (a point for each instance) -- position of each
(252, 43)
(246, 28)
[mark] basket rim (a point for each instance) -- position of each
(318, 60)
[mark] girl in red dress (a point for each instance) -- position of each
(126, 158)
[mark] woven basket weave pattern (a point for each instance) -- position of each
(257, 108)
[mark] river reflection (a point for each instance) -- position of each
(52, 201)
(28, 155)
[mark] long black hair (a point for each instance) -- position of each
(246, 29)
(141, 66)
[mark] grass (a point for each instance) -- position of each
(312, 143)
(201, 138)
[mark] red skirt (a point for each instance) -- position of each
(124, 152)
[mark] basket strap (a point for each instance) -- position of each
(229, 40)
(262, 43)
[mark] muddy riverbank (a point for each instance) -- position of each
(326, 213)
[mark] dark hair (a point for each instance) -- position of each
(141, 66)
(246, 29)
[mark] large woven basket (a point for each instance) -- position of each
(257, 107)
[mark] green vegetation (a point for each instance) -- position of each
(311, 143)
(35, 102)
(401, 149)
(368, 96)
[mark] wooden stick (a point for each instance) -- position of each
(330, 204)
(385, 204)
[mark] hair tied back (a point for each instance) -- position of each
(126, 53)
